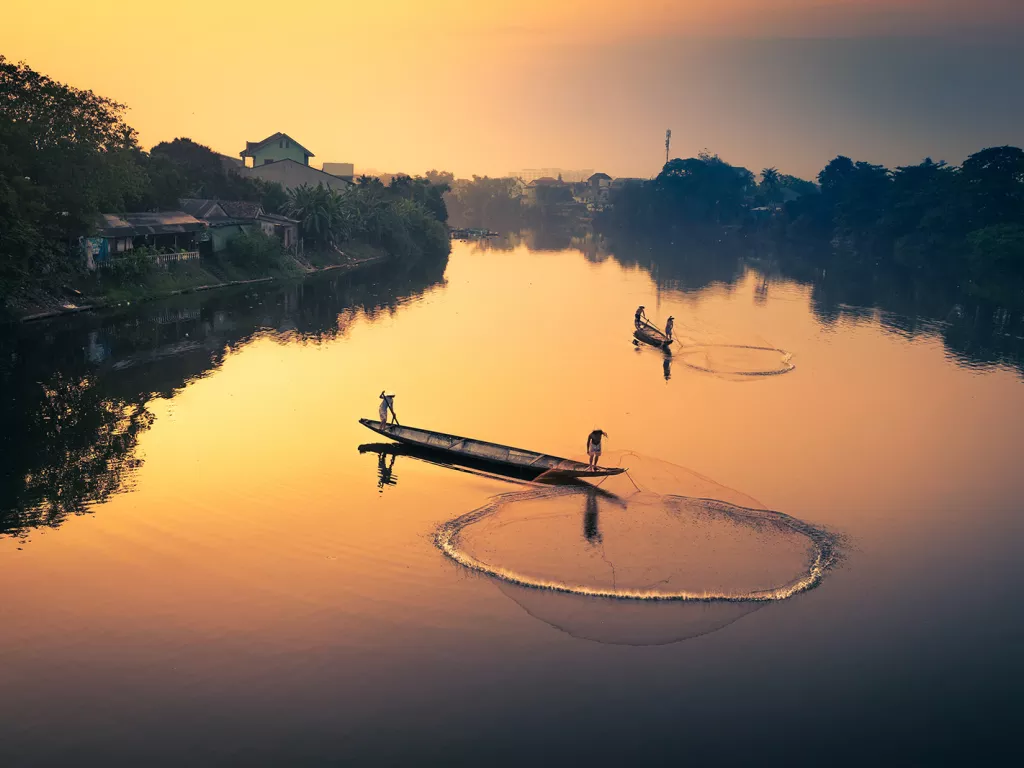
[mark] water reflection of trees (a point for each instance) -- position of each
(690, 265)
(977, 332)
(75, 393)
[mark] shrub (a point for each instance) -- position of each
(256, 250)
(136, 264)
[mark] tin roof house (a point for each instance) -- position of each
(227, 219)
(171, 235)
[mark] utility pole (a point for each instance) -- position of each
(668, 140)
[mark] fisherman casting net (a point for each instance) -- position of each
(660, 533)
(703, 348)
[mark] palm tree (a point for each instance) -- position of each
(318, 210)
(770, 185)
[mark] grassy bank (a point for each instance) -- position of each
(139, 279)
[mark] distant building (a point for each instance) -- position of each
(533, 174)
(344, 171)
(594, 192)
(547, 191)
(291, 174)
(274, 149)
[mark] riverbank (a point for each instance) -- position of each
(105, 289)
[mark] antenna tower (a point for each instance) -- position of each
(668, 140)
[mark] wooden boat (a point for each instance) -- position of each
(653, 336)
(465, 449)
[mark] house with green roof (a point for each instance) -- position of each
(273, 149)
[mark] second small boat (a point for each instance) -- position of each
(653, 336)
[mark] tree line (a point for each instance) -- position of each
(67, 155)
(964, 222)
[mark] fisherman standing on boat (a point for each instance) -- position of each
(669, 326)
(387, 403)
(640, 318)
(594, 446)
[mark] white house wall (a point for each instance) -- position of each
(290, 175)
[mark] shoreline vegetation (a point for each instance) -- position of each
(184, 278)
(929, 223)
(67, 156)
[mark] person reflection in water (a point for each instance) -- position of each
(667, 367)
(385, 470)
(590, 530)
(594, 446)
(387, 403)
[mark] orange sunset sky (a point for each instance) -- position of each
(488, 87)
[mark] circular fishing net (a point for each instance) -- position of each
(627, 622)
(657, 533)
(735, 359)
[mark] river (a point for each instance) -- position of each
(200, 566)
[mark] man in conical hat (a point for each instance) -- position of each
(387, 403)
(640, 318)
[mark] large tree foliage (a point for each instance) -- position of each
(689, 194)
(64, 154)
(405, 218)
(67, 154)
(485, 202)
(185, 168)
(418, 189)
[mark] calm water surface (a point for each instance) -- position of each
(199, 566)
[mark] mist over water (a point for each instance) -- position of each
(196, 555)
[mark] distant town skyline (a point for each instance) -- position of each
(484, 88)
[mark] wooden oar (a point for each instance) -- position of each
(649, 324)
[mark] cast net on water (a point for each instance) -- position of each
(735, 359)
(703, 348)
(659, 533)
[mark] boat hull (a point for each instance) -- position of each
(527, 464)
(653, 337)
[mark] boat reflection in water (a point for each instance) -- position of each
(601, 620)
(387, 453)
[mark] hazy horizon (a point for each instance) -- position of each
(484, 90)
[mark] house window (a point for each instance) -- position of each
(287, 143)
(267, 160)
(281, 144)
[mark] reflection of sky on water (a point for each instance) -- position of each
(257, 588)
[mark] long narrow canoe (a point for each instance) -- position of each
(651, 335)
(479, 451)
